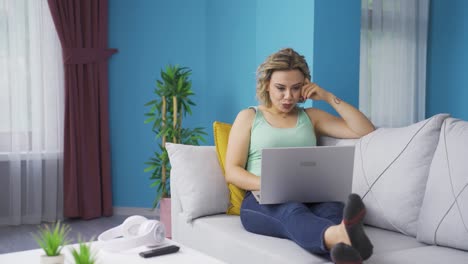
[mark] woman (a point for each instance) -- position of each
(283, 81)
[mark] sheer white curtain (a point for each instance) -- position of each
(393, 61)
(31, 114)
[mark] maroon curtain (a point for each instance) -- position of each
(82, 28)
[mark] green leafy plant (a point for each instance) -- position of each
(52, 239)
(84, 254)
(173, 102)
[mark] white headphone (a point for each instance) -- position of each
(135, 231)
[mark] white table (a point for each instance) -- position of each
(184, 255)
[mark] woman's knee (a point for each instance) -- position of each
(249, 220)
(336, 206)
(291, 208)
(259, 223)
(332, 211)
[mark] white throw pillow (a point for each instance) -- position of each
(198, 179)
(444, 214)
(391, 166)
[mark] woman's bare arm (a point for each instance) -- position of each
(237, 152)
(351, 123)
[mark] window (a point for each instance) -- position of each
(31, 78)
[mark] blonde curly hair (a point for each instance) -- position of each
(282, 60)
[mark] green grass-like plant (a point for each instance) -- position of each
(84, 254)
(52, 239)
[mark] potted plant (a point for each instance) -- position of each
(84, 254)
(51, 240)
(173, 102)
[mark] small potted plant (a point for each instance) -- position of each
(51, 240)
(173, 102)
(84, 254)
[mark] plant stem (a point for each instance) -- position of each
(174, 109)
(163, 169)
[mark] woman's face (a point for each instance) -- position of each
(285, 89)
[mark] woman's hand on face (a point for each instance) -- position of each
(313, 91)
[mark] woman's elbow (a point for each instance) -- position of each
(370, 129)
(228, 174)
(366, 131)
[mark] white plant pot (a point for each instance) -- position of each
(60, 259)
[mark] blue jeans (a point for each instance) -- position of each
(304, 224)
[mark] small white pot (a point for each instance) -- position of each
(60, 259)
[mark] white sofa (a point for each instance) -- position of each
(413, 180)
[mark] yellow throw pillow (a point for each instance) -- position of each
(221, 136)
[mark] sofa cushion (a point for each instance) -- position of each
(240, 246)
(386, 241)
(233, 244)
(197, 176)
(391, 166)
(221, 137)
(426, 255)
(444, 214)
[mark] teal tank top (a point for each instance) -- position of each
(263, 135)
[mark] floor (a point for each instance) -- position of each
(18, 238)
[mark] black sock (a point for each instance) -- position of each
(342, 253)
(353, 217)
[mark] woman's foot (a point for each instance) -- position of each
(345, 254)
(353, 217)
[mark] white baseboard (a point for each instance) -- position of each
(147, 212)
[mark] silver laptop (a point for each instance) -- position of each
(306, 174)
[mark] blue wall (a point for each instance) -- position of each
(222, 41)
(241, 34)
(149, 35)
(281, 25)
(447, 78)
(227, 40)
(337, 48)
(230, 60)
